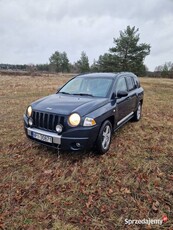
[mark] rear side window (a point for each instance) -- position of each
(137, 83)
(130, 83)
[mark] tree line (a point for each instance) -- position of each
(126, 54)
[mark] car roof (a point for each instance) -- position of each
(110, 75)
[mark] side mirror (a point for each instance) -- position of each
(122, 93)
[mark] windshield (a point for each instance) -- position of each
(96, 87)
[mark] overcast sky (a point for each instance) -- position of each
(31, 30)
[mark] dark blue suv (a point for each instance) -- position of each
(85, 111)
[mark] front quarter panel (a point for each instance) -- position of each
(102, 113)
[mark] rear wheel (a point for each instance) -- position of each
(104, 138)
(138, 112)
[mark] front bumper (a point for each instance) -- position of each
(79, 138)
(56, 139)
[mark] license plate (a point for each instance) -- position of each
(42, 137)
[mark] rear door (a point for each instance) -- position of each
(132, 96)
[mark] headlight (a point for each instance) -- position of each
(29, 111)
(89, 122)
(74, 119)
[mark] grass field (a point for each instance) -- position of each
(40, 189)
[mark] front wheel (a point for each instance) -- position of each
(104, 138)
(138, 112)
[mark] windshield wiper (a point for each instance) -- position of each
(64, 92)
(83, 94)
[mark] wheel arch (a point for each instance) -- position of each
(112, 121)
(141, 100)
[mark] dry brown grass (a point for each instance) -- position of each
(41, 190)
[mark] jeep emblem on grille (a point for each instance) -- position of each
(49, 108)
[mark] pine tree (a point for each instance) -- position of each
(83, 63)
(59, 62)
(128, 53)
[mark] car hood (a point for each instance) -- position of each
(67, 104)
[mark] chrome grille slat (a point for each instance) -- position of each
(44, 120)
(39, 116)
(35, 117)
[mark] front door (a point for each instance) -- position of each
(122, 107)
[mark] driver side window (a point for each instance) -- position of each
(121, 85)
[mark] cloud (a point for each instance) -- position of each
(32, 30)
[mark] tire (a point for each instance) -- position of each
(104, 138)
(138, 112)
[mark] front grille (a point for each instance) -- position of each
(46, 121)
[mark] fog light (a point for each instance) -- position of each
(30, 122)
(58, 128)
(78, 145)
